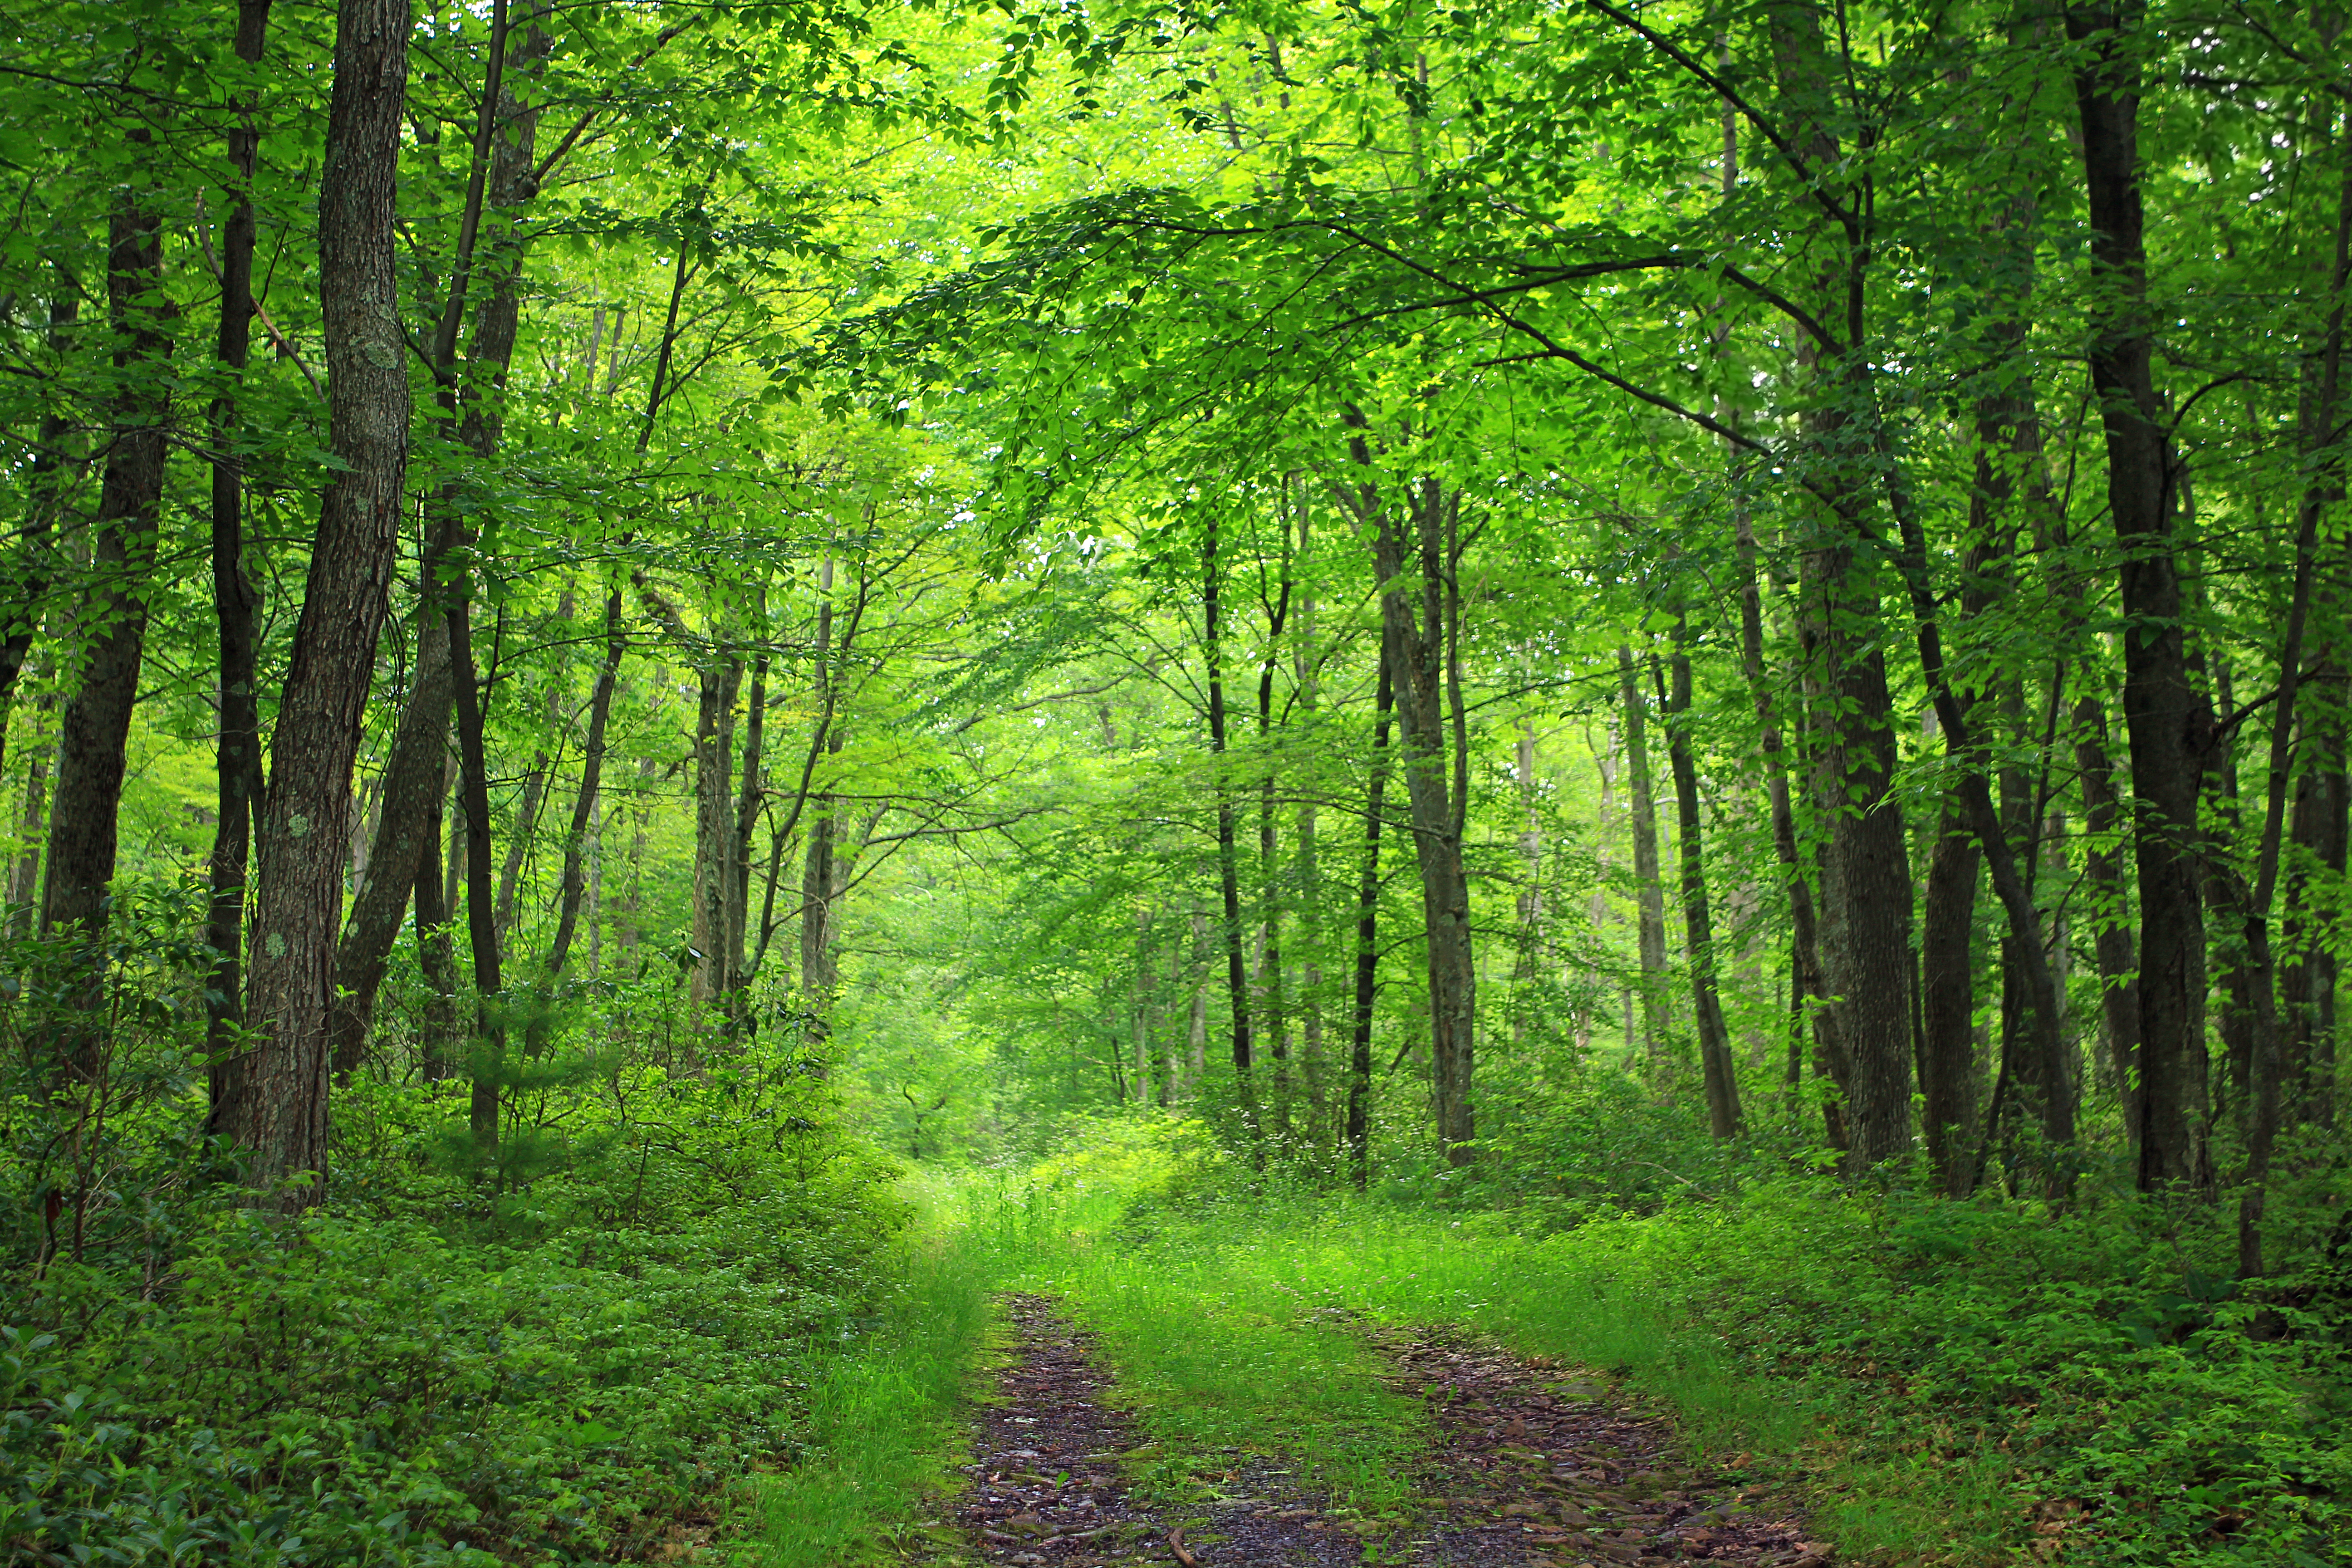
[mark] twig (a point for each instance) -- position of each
(1176, 1544)
(285, 346)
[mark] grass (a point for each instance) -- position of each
(1934, 1385)
(1556, 1299)
(885, 1414)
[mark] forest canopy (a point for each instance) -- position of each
(624, 621)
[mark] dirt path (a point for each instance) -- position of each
(1535, 1469)
(1532, 1471)
(1046, 1486)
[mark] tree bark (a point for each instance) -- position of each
(1273, 1011)
(1367, 952)
(714, 773)
(1717, 1070)
(1649, 885)
(436, 953)
(238, 764)
(280, 1108)
(96, 725)
(2167, 721)
(1809, 979)
(592, 773)
(2307, 983)
(489, 1063)
(1228, 869)
(1413, 560)
(1866, 874)
(414, 772)
(526, 825)
(1948, 1069)
(415, 781)
(751, 796)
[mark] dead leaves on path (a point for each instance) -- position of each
(1536, 1466)
(1534, 1469)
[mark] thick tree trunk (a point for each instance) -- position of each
(238, 764)
(1367, 952)
(96, 726)
(1866, 874)
(2165, 718)
(1415, 578)
(1649, 886)
(414, 772)
(1717, 1070)
(279, 1111)
(1948, 1069)
(415, 781)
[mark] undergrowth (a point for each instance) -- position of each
(566, 1351)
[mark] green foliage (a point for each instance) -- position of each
(545, 1355)
(1941, 1382)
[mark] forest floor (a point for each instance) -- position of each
(1526, 1463)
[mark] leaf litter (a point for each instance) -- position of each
(1536, 1467)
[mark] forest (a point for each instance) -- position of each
(851, 782)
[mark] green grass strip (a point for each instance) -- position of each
(1218, 1359)
(885, 1418)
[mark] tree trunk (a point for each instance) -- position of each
(415, 771)
(526, 825)
(1412, 558)
(96, 726)
(415, 781)
(1649, 887)
(2109, 904)
(24, 875)
(1809, 979)
(1719, 1074)
(435, 955)
(749, 798)
(29, 574)
(1228, 871)
(1948, 1071)
(1413, 633)
(1310, 882)
(238, 764)
(279, 1107)
(488, 1066)
(1142, 1013)
(1367, 952)
(1865, 876)
(2307, 984)
(592, 773)
(714, 774)
(1274, 1012)
(2165, 718)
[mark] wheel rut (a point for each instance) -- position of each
(1047, 1487)
(1534, 1468)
